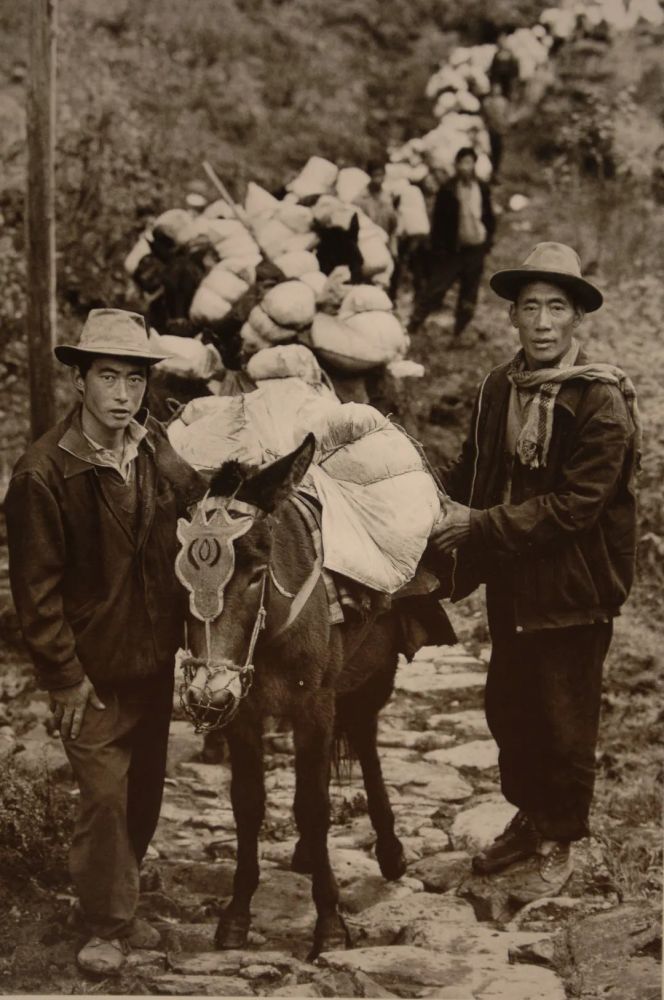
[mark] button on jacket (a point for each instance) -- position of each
(96, 591)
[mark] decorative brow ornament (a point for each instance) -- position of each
(206, 560)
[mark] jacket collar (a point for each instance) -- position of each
(80, 454)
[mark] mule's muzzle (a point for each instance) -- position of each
(210, 693)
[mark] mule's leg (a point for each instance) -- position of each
(248, 801)
(313, 730)
(357, 716)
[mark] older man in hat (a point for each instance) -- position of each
(91, 515)
(542, 510)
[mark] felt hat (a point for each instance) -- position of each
(553, 262)
(113, 332)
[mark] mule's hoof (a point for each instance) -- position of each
(232, 931)
(392, 861)
(331, 934)
(301, 860)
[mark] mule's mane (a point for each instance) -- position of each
(229, 477)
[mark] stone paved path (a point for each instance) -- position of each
(413, 938)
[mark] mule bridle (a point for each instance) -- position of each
(190, 665)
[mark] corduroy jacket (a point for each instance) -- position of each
(94, 598)
(566, 542)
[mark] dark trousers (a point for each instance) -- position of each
(119, 762)
(496, 142)
(542, 706)
(466, 267)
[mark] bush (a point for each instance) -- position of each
(36, 823)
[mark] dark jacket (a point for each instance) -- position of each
(445, 218)
(92, 596)
(566, 542)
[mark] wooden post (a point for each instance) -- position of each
(40, 212)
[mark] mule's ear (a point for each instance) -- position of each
(354, 228)
(273, 484)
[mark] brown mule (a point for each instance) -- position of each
(328, 679)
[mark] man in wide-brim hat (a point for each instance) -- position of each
(91, 515)
(542, 510)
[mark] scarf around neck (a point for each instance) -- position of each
(539, 389)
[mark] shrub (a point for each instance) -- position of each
(36, 823)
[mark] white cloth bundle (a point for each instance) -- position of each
(189, 358)
(318, 176)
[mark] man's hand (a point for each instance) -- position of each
(68, 706)
(452, 528)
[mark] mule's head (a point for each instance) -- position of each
(224, 562)
(339, 247)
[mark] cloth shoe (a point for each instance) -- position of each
(103, 956)
(551, 870)
(517, 842)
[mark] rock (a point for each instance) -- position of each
(369, 987)
(549, 912)
(348, 865)
(522, 983)
(207, 878)
(158, 904)
(602, 947)
(478, 826)
(297, 990)
(442, 871)
(212, 776)
(539, 952)
(478, 754)
(42, 753)
(260, 972)
(434, 840)
(414, 740)
(337, 983)
(492, 897)
(201, 985)
(189, 937)
(144, 961)
(283, 910)
(184, 745)
(411, 971)
(470, 722)
(171, 813)
(233, 961)
(14, 680)
(384, 922)
(435, 782)
(370, 890)
(433, 682)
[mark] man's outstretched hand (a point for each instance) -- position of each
(452, 527)
(69, 704)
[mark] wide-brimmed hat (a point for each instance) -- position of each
(553, 262)
(114, 332)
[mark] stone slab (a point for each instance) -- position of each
(478, 754)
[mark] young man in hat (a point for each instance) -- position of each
(462, 230)
(91, 515)
(542, 510)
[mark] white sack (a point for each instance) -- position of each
(219, 209)
(298, 218)
(258, 201)
(139, 250)
(296, 263)
(225, 283)
(364, 341)
(376, 256)
(317, 281)
(412, 216)
(189, 358)
(206, 304)
(286, 361)
(318, 176)
(268, 329)
(362, 298)
(351, 183)
(291, 304)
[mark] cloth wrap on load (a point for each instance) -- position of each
(379, 503)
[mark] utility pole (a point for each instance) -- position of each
(40, 212)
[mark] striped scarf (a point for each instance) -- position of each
(540, 388)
